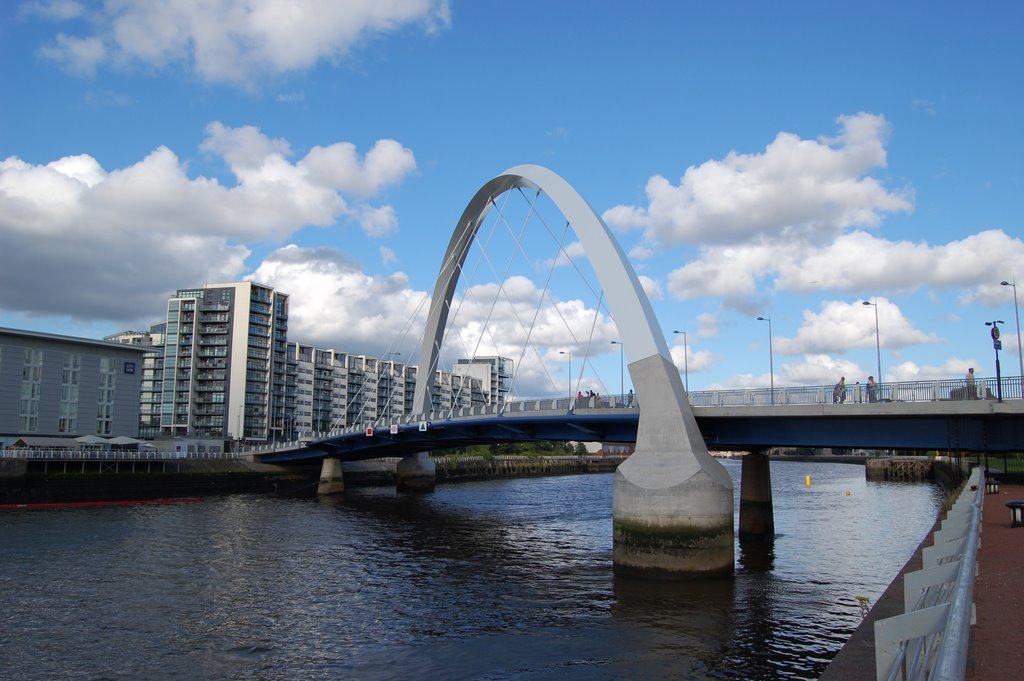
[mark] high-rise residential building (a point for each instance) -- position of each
(61, 386)
(151, 387)
(224, 362)
(220, 366)
(493, 373)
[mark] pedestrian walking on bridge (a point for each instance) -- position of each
(839, 393)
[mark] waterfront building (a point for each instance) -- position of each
(224, 364)
(219, 368)
(493, 373)
(61, 386)
(151, 386)
(335, 389)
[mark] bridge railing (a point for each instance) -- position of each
(107, 455)
(929, 641)
(901, 391)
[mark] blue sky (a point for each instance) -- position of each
(787, 160)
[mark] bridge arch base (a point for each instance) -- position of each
(416, 473)
(672, 514)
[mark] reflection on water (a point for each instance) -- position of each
(506, 579)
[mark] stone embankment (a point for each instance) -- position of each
(37, 482)
(455, 468)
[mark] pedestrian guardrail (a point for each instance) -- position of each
(108, 455)
(902, 391)
(929, 641)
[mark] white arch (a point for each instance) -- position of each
(630, 308)
(672, 503)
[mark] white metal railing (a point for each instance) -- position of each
(902, 391)
(929, 641)
(108, 455)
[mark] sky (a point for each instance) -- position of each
(790, 161)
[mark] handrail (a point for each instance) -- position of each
(901, 391)
(929, 641)
(110, 455)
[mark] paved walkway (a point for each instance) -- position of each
(998, 636)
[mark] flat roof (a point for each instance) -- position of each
(107, 345)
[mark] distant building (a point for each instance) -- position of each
(493, 373)
(151, 388)
(220, 367)
(61, 386)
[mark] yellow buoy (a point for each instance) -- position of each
(807, 481)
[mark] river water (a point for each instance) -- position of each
(504, 579)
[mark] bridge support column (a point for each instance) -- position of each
(757, 520)
(415, 473)
(672, 502)
(331, 480)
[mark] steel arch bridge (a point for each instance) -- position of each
(672, 502)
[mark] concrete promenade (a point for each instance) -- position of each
(996, 650)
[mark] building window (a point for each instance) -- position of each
(67, 422)
(105, 397)
(31, 384)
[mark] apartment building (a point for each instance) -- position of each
(224, 364)
(220, 366)
(493, 373)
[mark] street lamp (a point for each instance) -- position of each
(771, 360)
(622, 381)
(878, 345)
(1016, 312)
(568, 352)
(389, 384)
(686, 363)
(997, 344)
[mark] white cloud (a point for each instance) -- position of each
(953, 367)
(797, 189)
(60, 10)
(819, 369)
(651, 287)
(841, 326)
(78, 56)
(388, 255)
(149, 228)
(233, 41)
(853, 262)
(338, 165)
(334, 304)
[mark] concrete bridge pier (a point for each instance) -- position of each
(415, 473)
(672, 512)
(757, 519)
(331, 478)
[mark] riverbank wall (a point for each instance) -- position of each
(467, 468)
(38, 482)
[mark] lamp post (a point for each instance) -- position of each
(771, 360)
(622, 382)
(686, 363)
(1016, 312)
(568, 352)
(878, 344)
(997, 344)
(389, 358)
